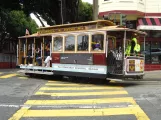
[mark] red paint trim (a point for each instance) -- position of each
(151, 67)
(4, 65)
(148, 21)
(157, 21)
(55, 57)
(99, 59)
(152, 14)
(130, 12)
(140, 22)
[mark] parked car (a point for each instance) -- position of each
(154, 51)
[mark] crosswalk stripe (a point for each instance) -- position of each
(82, 101)
(79, 88)
(62, 84)
(18, 115)
(8, 76)
(134, 109)
(83, 93)
(59, 84)
(52, 81)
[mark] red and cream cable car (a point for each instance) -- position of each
(93, 49)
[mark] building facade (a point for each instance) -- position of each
(143, 15)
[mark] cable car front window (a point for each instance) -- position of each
(82, 43)
(97, 42)
(58, 43)
(70, 43)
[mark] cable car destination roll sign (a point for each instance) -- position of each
(54, 30)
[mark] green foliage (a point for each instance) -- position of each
(14, 24)
(18, 22)
(85, 11)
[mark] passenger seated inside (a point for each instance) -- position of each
(38, 56)
(47, 61)
(97, 42)
(47, 50)
(96, 46)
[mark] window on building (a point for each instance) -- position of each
(155, 52)
(82, 43)
(58, 43)
(152, 52)
(97, 42)
(146, 52)
(70, 43)
(153, 33)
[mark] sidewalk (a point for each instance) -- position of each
(9, 70)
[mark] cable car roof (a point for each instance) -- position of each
(106, 28)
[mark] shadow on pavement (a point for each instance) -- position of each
(81, 80)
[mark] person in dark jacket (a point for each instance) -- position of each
(38, 56)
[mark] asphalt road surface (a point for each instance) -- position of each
(44, 98)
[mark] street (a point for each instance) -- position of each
(25, 98)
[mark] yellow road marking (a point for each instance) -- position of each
(19, 113)
(82, 101)
(50, 81)
(70, 84)
(59, 84)
(79, 88)
(0, 73)
(8, 76)
(135, 110)
(83, 93)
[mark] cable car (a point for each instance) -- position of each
(95, 49)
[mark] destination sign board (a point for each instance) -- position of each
(55, 30)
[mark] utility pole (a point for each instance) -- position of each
(61, 9)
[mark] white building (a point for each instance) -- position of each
(142, 15)
(134, 9)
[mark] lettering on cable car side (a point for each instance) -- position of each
(54, 30)
(80, 68)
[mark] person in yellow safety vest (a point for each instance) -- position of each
(133, 48)
(128, 48)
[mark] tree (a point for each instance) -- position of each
(19, 22)
(52, 11)
(85, 11)
(13, 24)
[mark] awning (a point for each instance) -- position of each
(149, 24)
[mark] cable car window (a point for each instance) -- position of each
(97, 42)
(82, 43)
(70, 43)
(58, 43)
